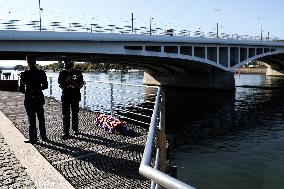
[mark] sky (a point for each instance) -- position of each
(245, 17)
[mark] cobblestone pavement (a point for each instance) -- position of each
(93, 159)
(12, 173)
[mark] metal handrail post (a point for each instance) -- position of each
(146, 159)
(154, 184)
(50, 86)
(156, 176)
(111, 99)
(85, 93)
(162, 134)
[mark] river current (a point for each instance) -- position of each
(231, 141)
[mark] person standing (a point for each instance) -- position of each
(32, 82)
(70, 81)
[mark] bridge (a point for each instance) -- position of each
(169, 60)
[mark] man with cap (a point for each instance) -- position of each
(32, 82)
(70, 81)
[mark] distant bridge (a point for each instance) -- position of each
(172, 60)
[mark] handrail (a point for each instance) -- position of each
(145, 169)
(110, 98)
(157, 177)
(125, 84)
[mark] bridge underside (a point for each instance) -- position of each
(275, 64)
(162, 71)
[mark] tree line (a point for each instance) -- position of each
(92, 67)
(85, 67)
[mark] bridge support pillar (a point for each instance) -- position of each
(149, 80)
(274, 72)
(214, 81)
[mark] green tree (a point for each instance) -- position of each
(19, 67)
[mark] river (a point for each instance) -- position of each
(230, 141)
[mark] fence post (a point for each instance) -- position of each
(50, 86)
(162, 137)
(85, 94)
(111, 99)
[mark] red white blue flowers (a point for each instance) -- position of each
(111, 124)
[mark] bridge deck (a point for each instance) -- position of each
(93, 159)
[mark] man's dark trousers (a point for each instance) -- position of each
(32, 111)
(67, 103)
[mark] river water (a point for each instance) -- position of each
(223, 140)
(230, 141)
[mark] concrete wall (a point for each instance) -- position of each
(216, 81)
(9, 85)
(274, 72)
(149, 80)
(250, 70)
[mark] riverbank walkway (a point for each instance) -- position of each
(92, 159)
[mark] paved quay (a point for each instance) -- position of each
(12, 173)
(93, 159)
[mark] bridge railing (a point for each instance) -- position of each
(4, 75)
(55, 26)
(156, 136)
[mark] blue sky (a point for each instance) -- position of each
(241, 16)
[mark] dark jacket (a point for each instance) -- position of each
(32, 82)
(71, 83)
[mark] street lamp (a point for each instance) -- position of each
(258, 18)
(92, 25)
(132, 22)
(217, 27)
(217, 33)
(40, 9)
(151, 25)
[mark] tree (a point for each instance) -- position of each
(19, 67)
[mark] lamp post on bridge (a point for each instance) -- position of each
(151, 25)
(40, 9)
(261, 31)
(217, 33)
(132, 23)
(92, 25)
(217, 26)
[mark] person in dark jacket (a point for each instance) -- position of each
(32, 82)
(70, 81)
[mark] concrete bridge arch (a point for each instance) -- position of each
(171, 60)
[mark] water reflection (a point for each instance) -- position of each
(188, 109)
(274, 81)
(230, 141)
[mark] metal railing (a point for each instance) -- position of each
(157, 177)
(8, 76)
(113, 99)
(133, 103)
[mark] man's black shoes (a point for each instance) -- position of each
(65, 137)
(30, 141)
(44, 139)
(76, 133)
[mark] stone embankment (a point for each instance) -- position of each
(250, 70)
